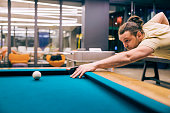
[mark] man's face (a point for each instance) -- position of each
(129, 40)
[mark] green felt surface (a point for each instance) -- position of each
(60, 94)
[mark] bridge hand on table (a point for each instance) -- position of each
(82, 69)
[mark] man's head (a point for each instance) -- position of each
(129, 40)
(131, 32)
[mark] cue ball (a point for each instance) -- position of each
(36, 75)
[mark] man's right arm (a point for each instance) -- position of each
(160, 18)
(117, 60)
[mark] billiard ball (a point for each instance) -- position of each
(36, 75)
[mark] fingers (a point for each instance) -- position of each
(76, 73)
(82, 69)
(82, 74)
(79, 71)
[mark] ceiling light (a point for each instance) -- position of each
(32, 24)
(39, 20)
(48, 4)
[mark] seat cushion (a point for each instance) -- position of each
(55, 57)
(20, 65)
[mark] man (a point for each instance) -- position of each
(140, 41)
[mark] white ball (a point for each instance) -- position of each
(36, 75)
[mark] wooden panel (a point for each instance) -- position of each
(157, 93)
(156, 59)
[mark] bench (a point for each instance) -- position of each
(154, 60)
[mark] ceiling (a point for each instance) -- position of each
(22, 14)
(158, 3)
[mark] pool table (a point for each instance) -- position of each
(56, 92)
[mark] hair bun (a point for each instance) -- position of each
(136, 19)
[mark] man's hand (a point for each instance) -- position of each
(82, 69)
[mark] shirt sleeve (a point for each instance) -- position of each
(153, 30)
(151, 43)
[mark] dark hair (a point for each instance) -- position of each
(133, 25)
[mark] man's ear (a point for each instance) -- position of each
(139, 35)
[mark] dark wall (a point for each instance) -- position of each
(96, 24)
